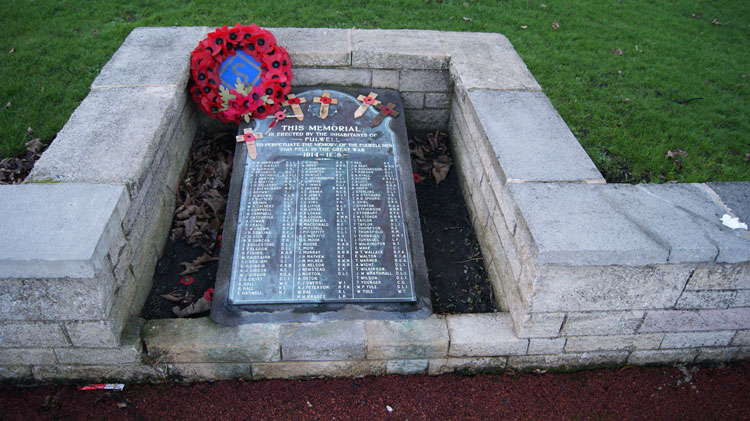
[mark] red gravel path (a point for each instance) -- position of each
(652, 393)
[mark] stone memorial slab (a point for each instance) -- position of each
(321, 220)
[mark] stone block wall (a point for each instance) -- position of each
(586, 273)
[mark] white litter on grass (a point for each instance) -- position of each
(389, 408)
(733, 222)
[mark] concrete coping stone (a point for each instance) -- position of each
(58, 230)
(615, 224)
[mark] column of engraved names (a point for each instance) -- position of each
(311, 231)
(255, 242)
(369, 239)
(344, 272)
(400, 260)
(289, 203)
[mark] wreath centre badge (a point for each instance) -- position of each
(239, 73)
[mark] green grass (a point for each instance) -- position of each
(627, 110)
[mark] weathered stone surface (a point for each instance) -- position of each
(427, 119)
(16, 373)
(613, 342)
(56, 299)
(671, 214)
(397, 49)
(742, 338)
(644, 357)
(486, 61)
(424, 81)
(568, 361)
(716, 354)
(36, 245)
(96, 334)
(531, 141)
(342, 77)
(573, 224)
(603, 288)
(31, 334)
(466, 365)
(706, 299)
(386, 79)
(736, 196)
(743, 353)
(546, 345)
(319, 47)
(209, 371)
(697, 339)
(696, 320)
(407, 339)
(539, 325)
(97, 373)
(129, 350)
(152, 56)
(720, 276)
(201, 340)
(413, 99)
(407, 366)
(112, 137)
(323, 341)
(290, 370)
(15, 356)
(603, 323)
(437, 100)
(483, 335)
(742, 299)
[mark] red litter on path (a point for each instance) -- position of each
(108, 386)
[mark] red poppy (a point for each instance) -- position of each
(209, 294)
(186, 280)
(417, 178)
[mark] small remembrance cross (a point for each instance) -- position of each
(366, 102)
(292, 100)
(249, 138)
(324, 100)
(385, 111)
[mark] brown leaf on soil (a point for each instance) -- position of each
(197, 264)
(440, 171)
(555, 25)
(180, 296)
(197, 307)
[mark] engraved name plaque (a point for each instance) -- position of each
(321, 224)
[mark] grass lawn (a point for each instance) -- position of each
(633, 79)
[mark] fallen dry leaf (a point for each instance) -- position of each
(467, 19)
(197, 264)
(747, 157)
(7, 105)
(543, 6)
(716, 22)
(555, 25)
(200, 306)
(440, 171)
(617, 52)
(524, 26)
(12, 50)
(35, 146)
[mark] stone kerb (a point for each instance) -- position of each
(586, 273)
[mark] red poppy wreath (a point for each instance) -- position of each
(239, 73)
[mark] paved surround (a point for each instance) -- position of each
(587, 273)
